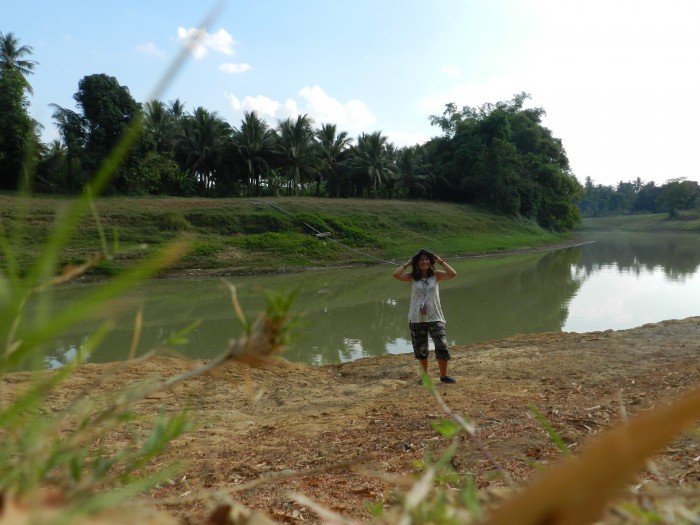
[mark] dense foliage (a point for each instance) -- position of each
(501, 156)
(17, 134)
(639, 197)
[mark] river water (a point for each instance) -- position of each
(615, 281)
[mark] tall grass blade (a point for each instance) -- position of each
(556, 438)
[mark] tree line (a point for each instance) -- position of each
(498, 156)
(638, 196)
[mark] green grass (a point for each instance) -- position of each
(686, 221)
(250, 235)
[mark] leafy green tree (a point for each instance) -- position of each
(333, 148)
(255, 142)
(71, 128)
(500, 155)
(12, 59)
(51, 168)
(558, 194)
(548, 191)
(373, 160)
(16, 130)
(605, 196)
(160, 124)
(414, 171)
(177, 109)
(201, 147)
(637, 196)
(108, 113)
(298, 151)
(451, 119)
(499, 183)
(496, 165)
(625, 195)
(160, 172)
(587, 204)
(107, 110)
(678, 194)
(157, 173)
(638, 184)
(647, 198)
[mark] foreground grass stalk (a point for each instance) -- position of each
(470, 429)
(60, 451)
(576, 491)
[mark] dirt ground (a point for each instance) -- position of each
(371, 419)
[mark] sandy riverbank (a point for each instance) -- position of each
(282, 419)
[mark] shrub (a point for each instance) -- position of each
(286, 244)
(172, 221)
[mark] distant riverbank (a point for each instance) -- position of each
(271, 235)
(686, 221)
(262, 235)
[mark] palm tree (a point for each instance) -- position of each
(71, 128)
(55, 148)
(638, 185)
(333, 147)
(160, 122)
(177, 109)
(255, 142)
(296, 145)
(11, 58)
(413, 170)
(202, 144)
(373, 157)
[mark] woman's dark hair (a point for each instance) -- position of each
(415, 270)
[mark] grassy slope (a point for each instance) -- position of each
(244, 235)
(272, 234)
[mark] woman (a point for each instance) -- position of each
(425, 313)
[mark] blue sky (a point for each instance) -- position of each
(618, 79)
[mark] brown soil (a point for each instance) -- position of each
(372, 420)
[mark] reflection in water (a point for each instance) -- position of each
(353, 313)
(63, 355)
(633, 279)
(676, 255)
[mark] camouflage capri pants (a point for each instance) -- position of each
(419, 338)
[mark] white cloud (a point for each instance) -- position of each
(235, 68)
(193, 39)
(402, 139)
(352, 116)
(452, 71)
(475, 94)
(291, 107)
(200, 42)
(262, 105)
(150, 49)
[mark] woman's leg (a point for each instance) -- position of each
(424, 363)
(419, 339)
(442, 365)
(442, 353)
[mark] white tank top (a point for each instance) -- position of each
(425, 292)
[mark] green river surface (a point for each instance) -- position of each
(617, 281)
